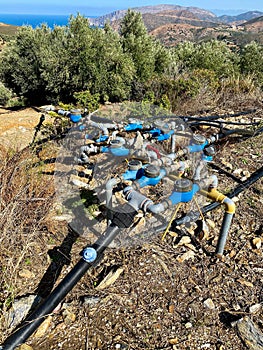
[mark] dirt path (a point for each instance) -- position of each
(17, 128)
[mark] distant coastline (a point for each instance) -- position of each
(35, 20)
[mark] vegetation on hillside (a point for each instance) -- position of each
(47, 66)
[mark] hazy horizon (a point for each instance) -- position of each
(58, 7)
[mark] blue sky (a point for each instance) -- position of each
(99, 7)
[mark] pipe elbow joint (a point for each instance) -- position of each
(158, 208)
(111, 183)
(229, 205)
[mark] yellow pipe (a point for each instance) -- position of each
(219, 197)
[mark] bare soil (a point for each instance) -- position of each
(158, 301)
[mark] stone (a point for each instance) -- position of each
(188, 325)
(249, 333)
(25, 273)
(184, 240)
(173, 341)
(42, 329)
(20, 309)
(91, 301)
(209, 304)
(25, 347)
(255, 308)
(256, 242)
(186, 256)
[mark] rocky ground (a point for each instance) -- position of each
(170, 294)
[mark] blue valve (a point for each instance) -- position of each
(119, 152)
(102, 138)
(207, 158)
(133, 127)
(196, 147)
(183, 197)
(151, 181)
(155, 132)
(133, 174)
(75, 115)
(89, 254)
(164, 137)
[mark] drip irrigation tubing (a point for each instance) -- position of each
(228, 132)
(57, 295)
(218, 123)
(206, 118)
(215, 117)
(227, 173)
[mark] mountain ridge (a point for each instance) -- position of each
(201, 13)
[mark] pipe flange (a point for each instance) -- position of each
(135, 164)
(199, 139)
(183, 185)
(152, 171)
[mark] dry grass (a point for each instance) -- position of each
(25, 199)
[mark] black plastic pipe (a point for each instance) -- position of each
(218, 123)
(240, 188)
(205, 118)
(215, 117)
(32, 322)
(224, 171)
(123, 217)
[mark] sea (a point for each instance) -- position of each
(35, 20)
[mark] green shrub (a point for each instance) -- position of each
(5, 94)
(87, 100)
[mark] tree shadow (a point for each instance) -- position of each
(60, 256)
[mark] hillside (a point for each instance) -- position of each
(254, 25)
(201, 14)
(7, 29)
(243, 17)
(117, 15)
(185, 17)
(172, 24)
(170, 33)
